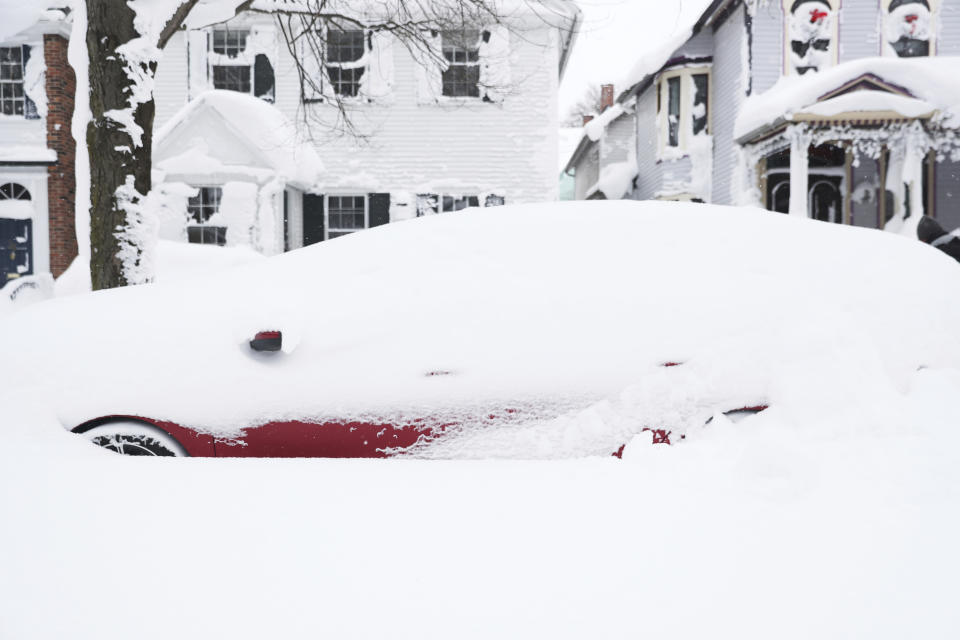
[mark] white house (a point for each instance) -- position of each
(472, 124)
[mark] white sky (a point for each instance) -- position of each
(615, 34)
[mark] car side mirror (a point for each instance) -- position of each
(267, 341)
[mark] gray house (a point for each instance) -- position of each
(841, 110)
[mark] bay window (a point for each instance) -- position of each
(683, 107)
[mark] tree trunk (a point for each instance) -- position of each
(114, 154)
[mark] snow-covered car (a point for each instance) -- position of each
(509, 331)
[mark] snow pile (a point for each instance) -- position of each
(545, 309)
(653, 59)
(25, 290)
(930, 80)
(19, 15)
(174, 262)
(830, 528)
(616, 178)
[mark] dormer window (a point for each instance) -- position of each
(812, 35)
(908, 28)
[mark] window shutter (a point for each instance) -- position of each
(313, 219)
(495, 63)
(311, 84)
(379, 209)
(263, 78)
(378, 81)
(430, 68)
(197, 47)
(30, 107)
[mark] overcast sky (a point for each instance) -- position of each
(615, 34)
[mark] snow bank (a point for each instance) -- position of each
(930, 80)
(547, 309)
(175, 262)
(756, 530)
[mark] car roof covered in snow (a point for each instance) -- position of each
(539, 306)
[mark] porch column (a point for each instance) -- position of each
(913, 178)
(799, 170)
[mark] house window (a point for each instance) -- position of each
(12, 98)
(432, 203)
(684, 103)
(344, 53)
(701, 102)
(231, 69)
(908, 27)
(201, 208)
(461, 50)
(14, 191)
(673, 111)
(346, 214)
(812, 35)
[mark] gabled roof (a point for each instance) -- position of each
(260, 126)
(863, 91)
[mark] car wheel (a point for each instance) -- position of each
(134, 439)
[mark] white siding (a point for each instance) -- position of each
(507, 148)
(171, 79)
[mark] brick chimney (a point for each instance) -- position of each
(587, 117)
(61, 180)
(606, 97)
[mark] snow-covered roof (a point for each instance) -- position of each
(892, 87)
(27, 153)
(28, 18)
(529, 304)
(263, 127)
(592, 132)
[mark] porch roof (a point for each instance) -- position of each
(868, 91)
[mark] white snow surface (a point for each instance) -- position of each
(932, 80)
(865, 101)
(550, 309)
(175, 262)
(830, 515)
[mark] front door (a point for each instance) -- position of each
(16, 249)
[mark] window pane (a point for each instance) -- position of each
(205, 204)
(462, 81)
(345, 82)
(232, 78)
(230, 43)
(344, 45)
(673, 114)
(701, 105)
(345, 214)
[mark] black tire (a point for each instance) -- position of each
(131, 438)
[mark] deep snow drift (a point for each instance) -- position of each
(566, 311)
(830, 515)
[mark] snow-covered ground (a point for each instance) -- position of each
(832, 529)
(832, 514)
